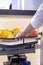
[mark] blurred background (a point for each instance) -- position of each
(13, 21)
(20, 4)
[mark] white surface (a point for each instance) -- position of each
(4, 4)
(10, 43)
(18, 42)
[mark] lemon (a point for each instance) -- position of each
(16, 31)
(0, 35)
(4, 33)
(10, 35)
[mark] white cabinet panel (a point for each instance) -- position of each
(4, 4)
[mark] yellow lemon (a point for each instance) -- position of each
(0, 35)
(10, 35)
(4, 33)
(16, 31)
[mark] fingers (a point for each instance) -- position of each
(20, 35)
(23, 34)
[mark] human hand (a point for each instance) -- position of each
(21, 34)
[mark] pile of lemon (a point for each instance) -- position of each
(9, 34)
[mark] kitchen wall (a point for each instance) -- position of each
(10, 22)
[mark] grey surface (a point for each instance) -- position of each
(8, 51)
